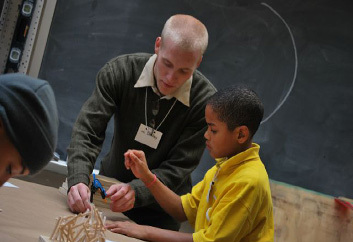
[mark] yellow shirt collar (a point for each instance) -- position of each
(246, 155)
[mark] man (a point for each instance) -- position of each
(158, 105)
(28, 125)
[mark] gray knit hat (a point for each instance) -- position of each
(30, 117)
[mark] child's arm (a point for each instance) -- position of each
(147, 232)
(167, 199)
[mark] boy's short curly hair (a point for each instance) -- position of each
(237, 106)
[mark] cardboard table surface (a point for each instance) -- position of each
(29, 211)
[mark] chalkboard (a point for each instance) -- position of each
(297, 55)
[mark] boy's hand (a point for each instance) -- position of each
(136, 161)
(128, 228)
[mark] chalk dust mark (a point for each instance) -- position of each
(295, 66)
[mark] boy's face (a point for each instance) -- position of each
(220, 141)
(10, 159)
(173, 66)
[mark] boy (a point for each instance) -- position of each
(28, 125)
(233, 201)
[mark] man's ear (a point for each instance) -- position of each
(2, 128)
(199, 62)
(242, 134)
(157, 45)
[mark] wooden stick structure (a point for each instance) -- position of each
(83, 227)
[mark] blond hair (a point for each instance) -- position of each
(187, 32)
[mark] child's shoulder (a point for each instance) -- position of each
(252, 174)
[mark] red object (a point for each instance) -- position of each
(344, 203)
(154, 180)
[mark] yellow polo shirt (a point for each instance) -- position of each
(238, 207)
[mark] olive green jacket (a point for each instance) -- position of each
(181, 145)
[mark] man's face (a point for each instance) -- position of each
(173, 65)
(10, 159)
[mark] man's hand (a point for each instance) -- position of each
(78, 198)
(122, 197)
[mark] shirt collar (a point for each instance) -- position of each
(249, 154)
(146, 79)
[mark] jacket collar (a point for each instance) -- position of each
(228, 164)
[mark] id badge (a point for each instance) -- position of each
(148, 136)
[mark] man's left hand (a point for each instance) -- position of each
(122, 197)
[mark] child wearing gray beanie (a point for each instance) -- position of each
(28, 122)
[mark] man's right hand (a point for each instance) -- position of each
(78, 198)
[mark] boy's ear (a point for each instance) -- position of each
(242, 134)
